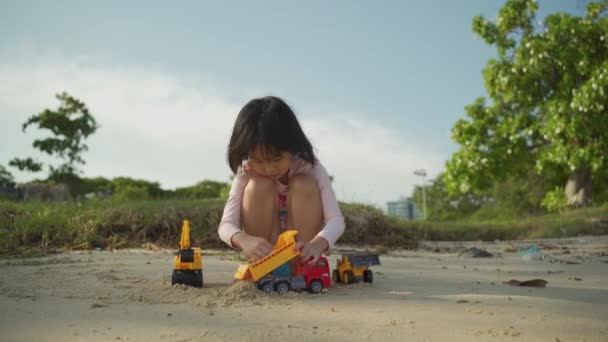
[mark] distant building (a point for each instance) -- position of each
(404, 208)
(11, 192)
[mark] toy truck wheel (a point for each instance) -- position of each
(187, 277)
(348, 278)
(199, 279)
(368, 276)
(268, 288)
(174, 278)
(335, 276)
(282, 287)
(316, 286)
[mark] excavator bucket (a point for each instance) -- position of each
(242, 273)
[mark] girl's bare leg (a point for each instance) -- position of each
(304, 207)
(260, 212)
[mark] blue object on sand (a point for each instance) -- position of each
(532, 254)
(530, 250)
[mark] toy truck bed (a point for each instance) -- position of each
(362, 259)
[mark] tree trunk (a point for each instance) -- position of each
(578, 188)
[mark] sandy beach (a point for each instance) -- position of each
(435, 293)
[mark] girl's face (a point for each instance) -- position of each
(271, 165)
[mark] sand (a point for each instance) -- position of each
(436, 293)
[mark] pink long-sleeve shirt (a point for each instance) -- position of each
(332, 216)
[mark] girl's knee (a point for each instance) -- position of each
(303, 185)
(258, 186)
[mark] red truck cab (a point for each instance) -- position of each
(318, 271)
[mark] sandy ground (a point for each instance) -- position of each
(436, 293)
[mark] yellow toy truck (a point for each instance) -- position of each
(281, 253)
(188, 263)
(275, 272)
(354, 267)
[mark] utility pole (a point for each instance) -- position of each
(422, 173)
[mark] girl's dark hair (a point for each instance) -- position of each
(270, 123)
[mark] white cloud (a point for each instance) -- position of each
(370, 162)
(175, 130)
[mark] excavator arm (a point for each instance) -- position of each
(184, 243)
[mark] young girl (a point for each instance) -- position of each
(279, 184)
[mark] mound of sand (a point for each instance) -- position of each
(162, 292)
(240, 292)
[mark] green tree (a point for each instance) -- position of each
(514, 197)
(129, 185)
(520, 195)
(26, 164)
(98, 184)
(548, 88)
(6, 178)
(204, 189)
(130, 192)
(441, 205)
(71, 123)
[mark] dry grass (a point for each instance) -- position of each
(32, 229)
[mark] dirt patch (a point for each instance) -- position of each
(45, 261)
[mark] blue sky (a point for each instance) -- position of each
(377, 85)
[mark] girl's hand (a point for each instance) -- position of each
(311, 251)
(254, 248)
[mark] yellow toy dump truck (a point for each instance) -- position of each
(188, 264)
(354, 267)
(275, 272)
(281, 253)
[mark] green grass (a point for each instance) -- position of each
(33, 229)
(585, 221)
(104, 224)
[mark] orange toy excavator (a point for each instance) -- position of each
(188, 264)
